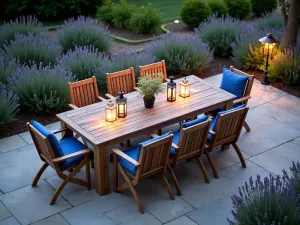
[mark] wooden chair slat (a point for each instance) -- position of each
(153, 69)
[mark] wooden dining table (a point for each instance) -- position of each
(90, 123)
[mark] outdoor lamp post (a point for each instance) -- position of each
(111, 112)
(269, 42)
(121, 105)
(171, 90)
(184, 90)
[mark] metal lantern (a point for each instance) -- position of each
(171, 90)
(185, 90)
(269, 42)
(121, 105)
(111, 112)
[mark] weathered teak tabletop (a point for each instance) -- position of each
(89, 121)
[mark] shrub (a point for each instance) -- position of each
(291, 76)
(82, 61)
(268, 202)
(218, 7)
(260, 8)
(106, 12)
(42, 89)
(7, 68)
(194, 12)
(219, 33)
(184, 55)
(8, 105)
(84, 31)
(30, 48)
(293, 180)
(239, 8)
(122, 60)
(270, 20)
(146, 20)
(123, 13)
(21, 25)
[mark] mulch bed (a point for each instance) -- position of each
(178, 27)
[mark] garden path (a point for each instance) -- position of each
(271, 146)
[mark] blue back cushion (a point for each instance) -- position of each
(150, 141)
(51, 137)
(215, 120)
(194, 122)
(233, 83)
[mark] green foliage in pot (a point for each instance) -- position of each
(148, 86)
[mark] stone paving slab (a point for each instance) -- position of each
(29, 204)
(52, 220)
(4, 213)
(11, 143)
(289, 103)
(9, 221)
(182, 220)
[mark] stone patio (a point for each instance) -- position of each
(271, 146)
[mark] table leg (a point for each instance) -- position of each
(101, 169)
(228, 106)
(67, 133)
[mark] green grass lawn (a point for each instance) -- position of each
(170, 9)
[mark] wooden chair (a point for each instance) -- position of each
(247, 92)
(149, 158)
(155, 68)
(122, 80)
(77, 155)
(226, 129)
(84, 92)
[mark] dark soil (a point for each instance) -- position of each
(129, 34)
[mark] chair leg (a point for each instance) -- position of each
(238, 151)
(88, 172)
(159, 131)
(211, 162)
(175, 180)
(167, 186)
(115, 174)
(132, 189)
(39, 174)
(245, 124)
(128, 143)
(202, 167)
(63, 184)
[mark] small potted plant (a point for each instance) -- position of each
(148, 87)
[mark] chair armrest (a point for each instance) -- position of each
(241, 99)
(109, 96)
(101, 98)
(175, 146)
(59, 130)
(73, 106)
(63, 158)
(124, 156)
(153, 135)
(212, 132)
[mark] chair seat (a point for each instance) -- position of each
(71, 145)
(132, 153)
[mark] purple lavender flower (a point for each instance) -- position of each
(82, 32)
(7, 68)
(42, 89)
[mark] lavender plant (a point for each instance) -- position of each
(269, 20)
(42, 89)
(9, 105)
(185, 54)
(293, 180)
(220, 33)
(21, 25)
(7, 68)
(267, 202)
(122, 60)
(32, 48)
(82, 61)
(84, 31)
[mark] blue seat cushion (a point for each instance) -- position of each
(132, 153)
(194, 122)
(71, 145)
(175, 141)
(215, 120)
(215, 111)
(135, 154)
(51, 137)
(233, 83)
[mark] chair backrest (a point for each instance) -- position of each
(154, 69)
(192, 141)
(229, 126)
(154, 157)
(122, 80)
(42, 145)
(249, 82)
(84, 92)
